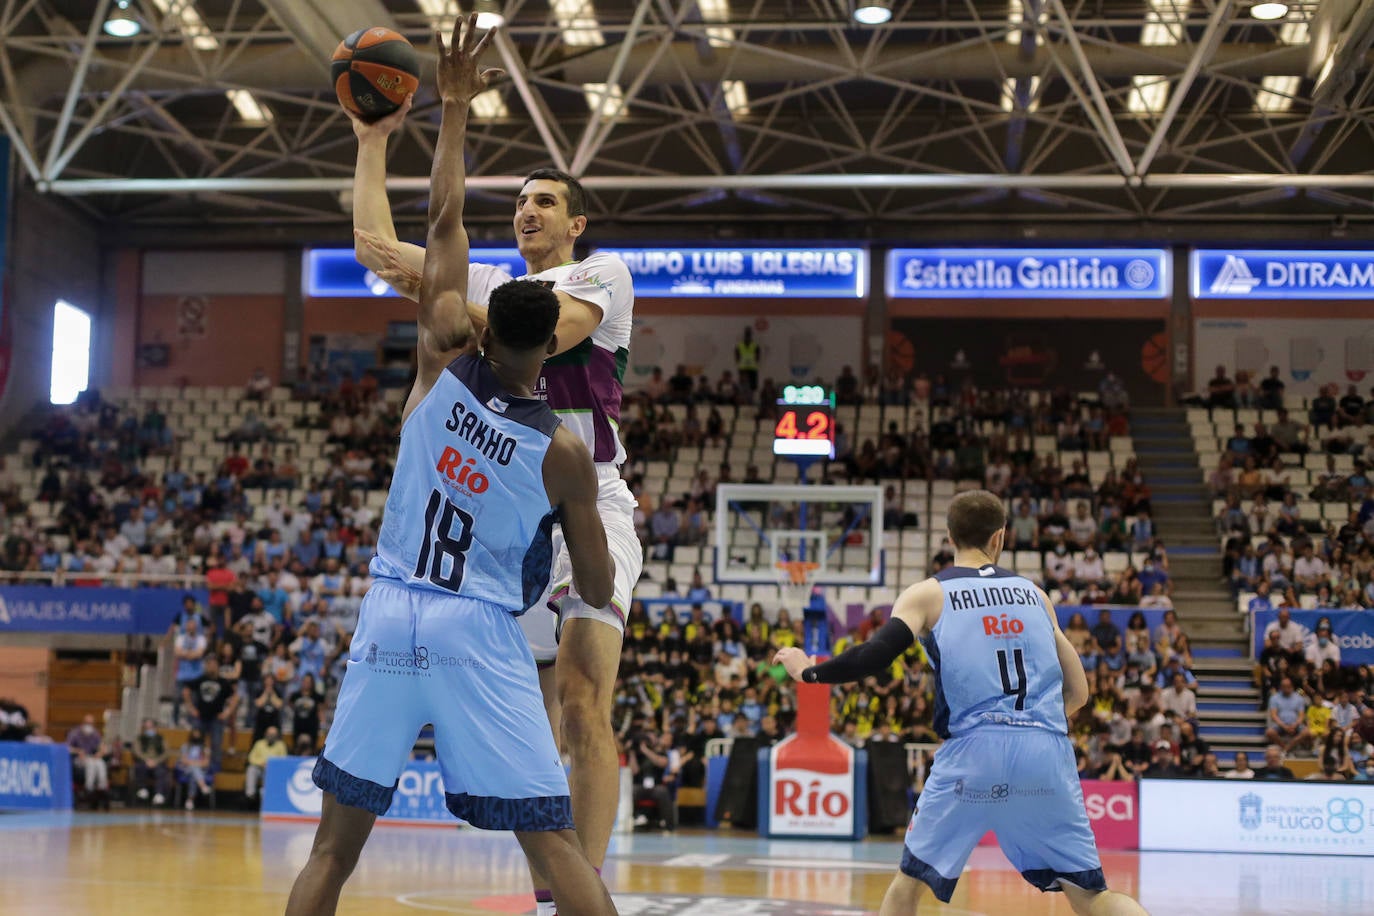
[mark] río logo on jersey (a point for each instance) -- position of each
(460, 471)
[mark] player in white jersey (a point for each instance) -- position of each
(582, 383)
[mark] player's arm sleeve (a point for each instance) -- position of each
(597, 291)
(865, 659)
(570, 478)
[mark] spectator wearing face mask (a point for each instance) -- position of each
(150, 764)
(1323, 648)
(89, 751)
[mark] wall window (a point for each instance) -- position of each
(71, 352)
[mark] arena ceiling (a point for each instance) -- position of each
(720, 116)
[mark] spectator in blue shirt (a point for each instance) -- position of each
(189, 648)
(1288, 718)
(1151, 574)
(274, 599)
(1261, 601)
(306, 551)
(1174, 666)
(309, 651)
(1239, 443)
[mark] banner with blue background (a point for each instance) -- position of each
(289, 792)
(1027, 273)
(751, 273)
(1251, 274)
(1352, 630)
(126, 611)
(336, 273)
(35, 776)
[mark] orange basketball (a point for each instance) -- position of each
(900, 354)
(1154, 357)
(373, 71)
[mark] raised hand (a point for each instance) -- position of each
(459, 80)
(382, 127)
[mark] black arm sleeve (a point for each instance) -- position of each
(855, 664)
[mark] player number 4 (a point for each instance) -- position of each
(1018, 662)
(442, 540)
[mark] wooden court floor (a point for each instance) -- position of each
(188, 864)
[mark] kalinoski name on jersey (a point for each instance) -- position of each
(992, 596)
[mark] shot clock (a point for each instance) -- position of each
(806, 422)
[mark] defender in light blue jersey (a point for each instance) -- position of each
(1006, 682)
(485, 469)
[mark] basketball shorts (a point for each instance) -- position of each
(422, 658)
(1020, 783)
(541, 622)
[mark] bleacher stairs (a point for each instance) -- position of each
(80, 686)
(1227, 701)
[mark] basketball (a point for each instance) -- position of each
(1154, 357)
(373, 71)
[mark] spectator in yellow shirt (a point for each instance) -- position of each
(268, 746)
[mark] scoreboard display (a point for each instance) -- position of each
(806, 423)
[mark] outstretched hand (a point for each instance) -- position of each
(459, 80)
(392, 269)
(794, 660)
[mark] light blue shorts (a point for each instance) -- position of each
(464, 666)
(1020, 783)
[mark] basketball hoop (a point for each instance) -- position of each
(798, 571)
(794, 582)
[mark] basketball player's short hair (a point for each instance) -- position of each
(974, 517)
(522, 314)
(577, 197)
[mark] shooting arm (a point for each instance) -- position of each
(372, 210)
(865, 659)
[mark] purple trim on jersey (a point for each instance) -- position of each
(590, 386)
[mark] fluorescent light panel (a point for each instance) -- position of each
(577, 19)
(1016, 16)
(192, 26)
(736, 96)
(604, 99)
(1008, 99)
(1163, 26)
(717, 11)
(250, 109)
(490, 104)
(1275, 95)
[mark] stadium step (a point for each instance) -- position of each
(1233, 731)
(1235, 694)
(1221, 707)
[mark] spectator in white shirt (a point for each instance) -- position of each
(259, 385)
(1179, 700)
(1059, 565)
(1157, 599)
(1242, 768)
(1083, 527)
(1323, 648)
(1088, 569)
(1291, 635)
(1309, 570)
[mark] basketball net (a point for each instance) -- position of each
(794, 582)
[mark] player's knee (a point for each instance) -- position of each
(586, 721)
(336, 854)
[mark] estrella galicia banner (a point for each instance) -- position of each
(336, 273)
(1241, 815)
(35, 776)
(750, 273)
(1352, 630)
(1027, 273)
(1250, 274)
(1035, 353)
(289, 793)
(125, 611)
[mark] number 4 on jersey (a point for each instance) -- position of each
(1018, 689)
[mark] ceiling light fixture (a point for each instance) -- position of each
(122, 23)
(489, 15)
(1268, 10)
(873, 12)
